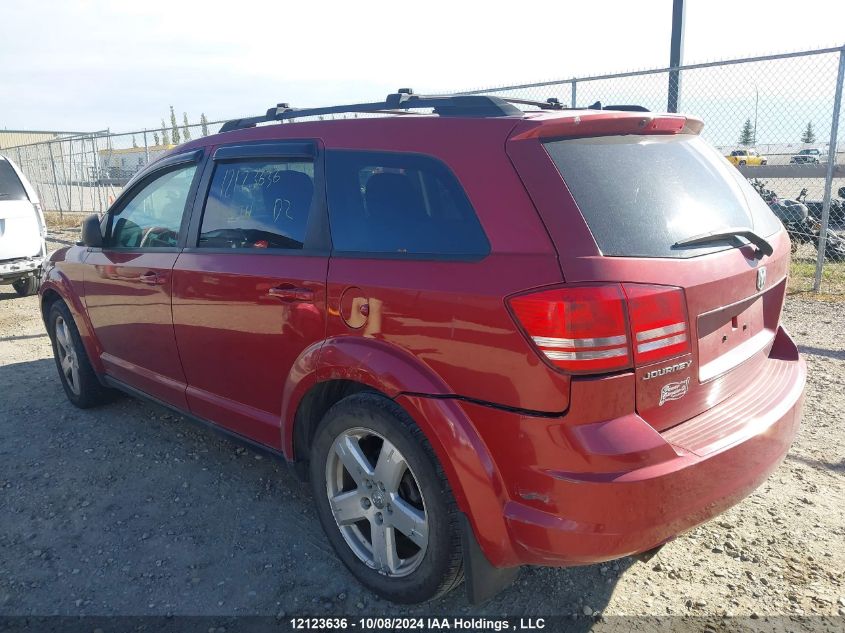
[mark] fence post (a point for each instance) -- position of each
(55, 179)
(831, 160)
(146, 149)
(97, 174)
(574, 93)
(676, 54)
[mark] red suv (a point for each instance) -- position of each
(490, 337)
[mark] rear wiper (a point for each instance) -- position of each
(720, 235)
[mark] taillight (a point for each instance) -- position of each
(658, 321)
(580, 329)
(604, 328)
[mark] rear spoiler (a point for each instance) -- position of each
(608, 124)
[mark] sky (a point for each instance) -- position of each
(89, 65)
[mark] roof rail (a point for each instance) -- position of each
(398, 103)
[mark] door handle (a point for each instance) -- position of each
(289, 293)
(151, 279)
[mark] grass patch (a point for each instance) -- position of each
(802, 275)
(61, 221)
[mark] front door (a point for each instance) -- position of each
(128, 283)
(249, 288)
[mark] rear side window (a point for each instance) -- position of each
(10, 185)
(258, 204)
(394, 203)
(642, 194)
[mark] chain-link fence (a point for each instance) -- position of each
(85, 173)
(775, 117)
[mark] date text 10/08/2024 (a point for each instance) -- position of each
(419, 624)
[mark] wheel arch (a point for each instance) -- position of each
(346, 366)
(57, 288)
(330, 370)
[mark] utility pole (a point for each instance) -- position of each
(676, 54)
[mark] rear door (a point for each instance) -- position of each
(128, 282)
(250, 286)
(616, 207)
(424, 252)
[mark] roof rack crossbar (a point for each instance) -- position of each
(397, 103)
(548, 104)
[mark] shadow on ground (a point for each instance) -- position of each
(822, 351)
(128, 509)
(6, 293)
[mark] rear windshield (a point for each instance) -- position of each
(10, 185)
(642, 194)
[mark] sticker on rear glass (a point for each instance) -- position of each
(673, 391)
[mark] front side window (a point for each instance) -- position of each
(395, 203)
(258, 204)
(153, 217)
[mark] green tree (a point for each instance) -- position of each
(809, 135)
(186, 130)
(165, 139)
(174, 128)
(746, 136)
(156, 139)
(204, 124)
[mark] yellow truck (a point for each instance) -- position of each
(742, 157)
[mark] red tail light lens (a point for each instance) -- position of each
(604, 328)
(658, 322)
(579, 329)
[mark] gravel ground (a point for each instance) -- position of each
(130, 510)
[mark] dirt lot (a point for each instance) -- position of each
(129, 510)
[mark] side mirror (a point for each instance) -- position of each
(92, 235)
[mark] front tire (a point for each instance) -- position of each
(384, 502)
(78, 379)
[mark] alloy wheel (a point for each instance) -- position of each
(68, 359)
(376, 502)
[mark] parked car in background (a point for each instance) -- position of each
(742, 157)
(466, 328)
(23, 249)
(806, 156)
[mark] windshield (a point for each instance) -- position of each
(640, 195)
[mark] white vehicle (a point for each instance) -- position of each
(23, 249)
(806, 157)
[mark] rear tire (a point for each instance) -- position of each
(742, 163)
(26, 287)
(398, 531)
(79, 381)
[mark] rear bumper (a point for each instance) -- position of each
(12, 270)
(594, 492)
